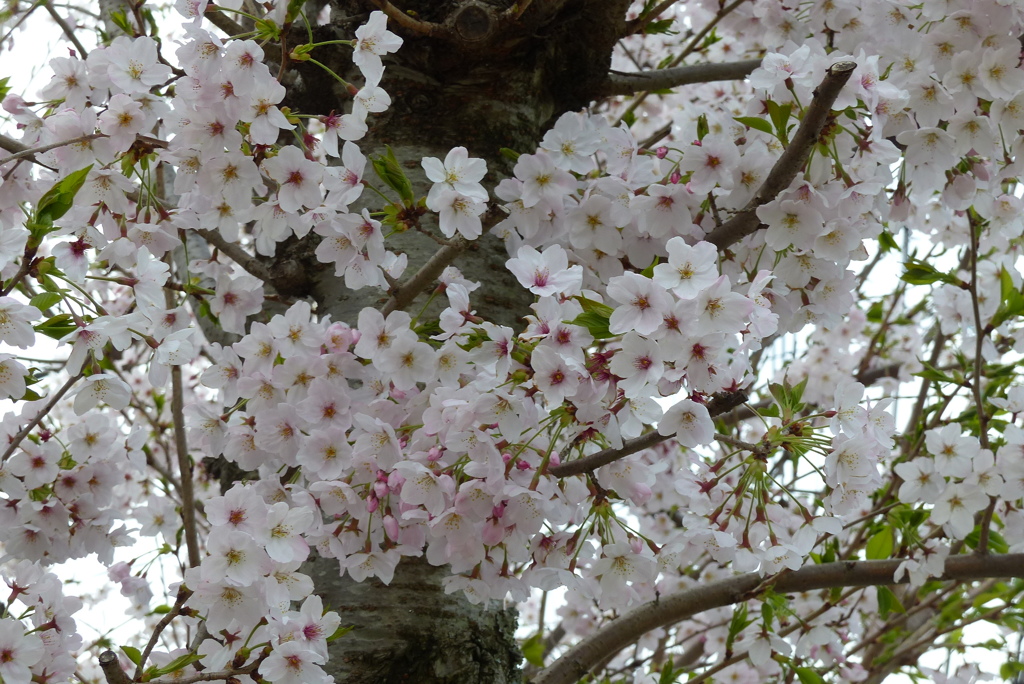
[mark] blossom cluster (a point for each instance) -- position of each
(370, 440)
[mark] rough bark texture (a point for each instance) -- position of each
(412, 632)
(489, 80)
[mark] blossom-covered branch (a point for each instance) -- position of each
(746, 221)
(667, 610)
(722, 402)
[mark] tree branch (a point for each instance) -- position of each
(411, 24)
(620, 83)
(247, 261)
(23, 433)
(225, 23)
(408, 291)
(112, 671)
(792, 160)
(720, 403)
(67, 29)
(668, 610)
(639, 24)
(20, 151)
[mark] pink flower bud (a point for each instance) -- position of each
(434, 454)
(636, 544)
(380, 489)
(372, 504)
(391, 527)
(492, 533)
(661, 152)
(675, 177)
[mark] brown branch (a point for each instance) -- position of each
(639, 24)
(183, 595)
(67, 29)
(112, 671)
(188, 505)
(20, 151)
(247, 261)
(222, 21)
(620, 83)
(720, 403)
(668, 610)
(411, 24)
(403, 296)
(45, 411)
(792, 160)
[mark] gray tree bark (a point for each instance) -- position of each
(484, 76)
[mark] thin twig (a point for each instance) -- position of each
(792, 160)
(411, 24)
(67, 29)
(719, 404)
(404, 295)
(23, 433)
(188, 509)
(247, 261)
(639, 24)
(722, 13)
(222, 21)
(179, 601)
(21, 152)
(620, 83)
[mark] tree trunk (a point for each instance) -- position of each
(487, 81)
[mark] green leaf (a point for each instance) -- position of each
(598, 307)
(176, 664)
(660, 26)
(134, 654)
(888, 602)
(509, 153)
(56, 201)
(389, 171)
(44, 300)
(919, 272)
(669, 675)
(595, 323)
(1012, 302)
(880, 545)
(56, 327)
(996, 543)
(294, 9)
(702, 126)
(737, 624)
(932, 373)
(162, 609)
(533, 650)
(340, 632)
(120, 19)
(4, 88)
(1010, 669)
(649, 271)
(779, 114)
(886, 242)
(267, 30)
(755, 123)
(808, 676)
